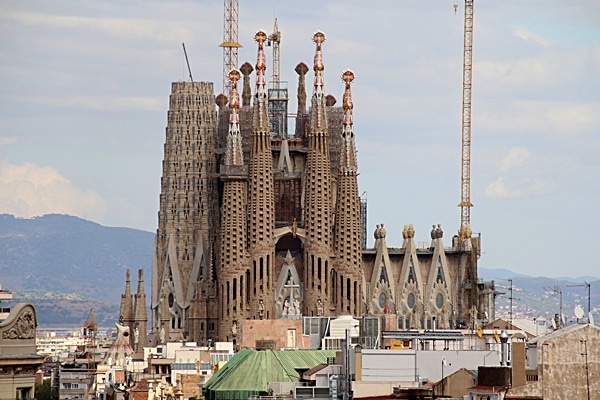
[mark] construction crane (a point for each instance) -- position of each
(465, 201)
(90, 329)
(275, 41)
(230, 43)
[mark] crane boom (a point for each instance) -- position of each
(187, 62)
(465, 202)
(230, 43)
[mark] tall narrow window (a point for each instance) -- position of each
(411, 274)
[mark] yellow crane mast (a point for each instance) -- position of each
(465, 201)
(230, 43)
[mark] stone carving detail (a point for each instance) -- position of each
(408, 232)
(24, 327)
(261, 309)
(380, 232)
(291, 306)
(465, 232)
(319, 308)
(437, 232)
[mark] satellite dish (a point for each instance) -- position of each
(553, 324)
(591, 318)
(579, 313)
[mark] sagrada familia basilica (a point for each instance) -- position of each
(258, 223)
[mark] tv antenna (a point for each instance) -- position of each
(557, 290)
(588, 286)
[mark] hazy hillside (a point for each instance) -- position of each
(69, 255)
(66, 265)
(535, 297)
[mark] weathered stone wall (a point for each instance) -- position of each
(279, 331)
(563, 372)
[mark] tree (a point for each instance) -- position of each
(43, 391)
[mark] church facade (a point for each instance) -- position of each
(256, 223)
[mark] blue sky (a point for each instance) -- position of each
(84, 91)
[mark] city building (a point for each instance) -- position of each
(19, 361)
(562, 364)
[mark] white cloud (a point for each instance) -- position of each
(560, 119)
(549, 69)
(30, 190)
(157, 31)
(529, 36)
(100, 103)
(515, 158)
(5, 141)
(522, 174)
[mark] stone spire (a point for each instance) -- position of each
(164, 314)
(301, 117)
(318, 119)
(233, 153)
(348, 157)
(347, 228)
(261, 104)
(318, 199)
(246, 69)
(232, 267)
(187, 215)
(126, 308)
(140, 317)
(301, 70)
(260, 190)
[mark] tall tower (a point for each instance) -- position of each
(140, 317)
(182, 254)
(260, 190)
(318, 207)
(233, 273)
(348, 247)
(126, 307)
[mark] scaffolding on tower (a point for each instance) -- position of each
(278, 91)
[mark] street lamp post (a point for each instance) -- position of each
(444, 363)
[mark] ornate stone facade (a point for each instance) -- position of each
(255, 224)
(425, 286)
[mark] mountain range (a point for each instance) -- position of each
(66, 266)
